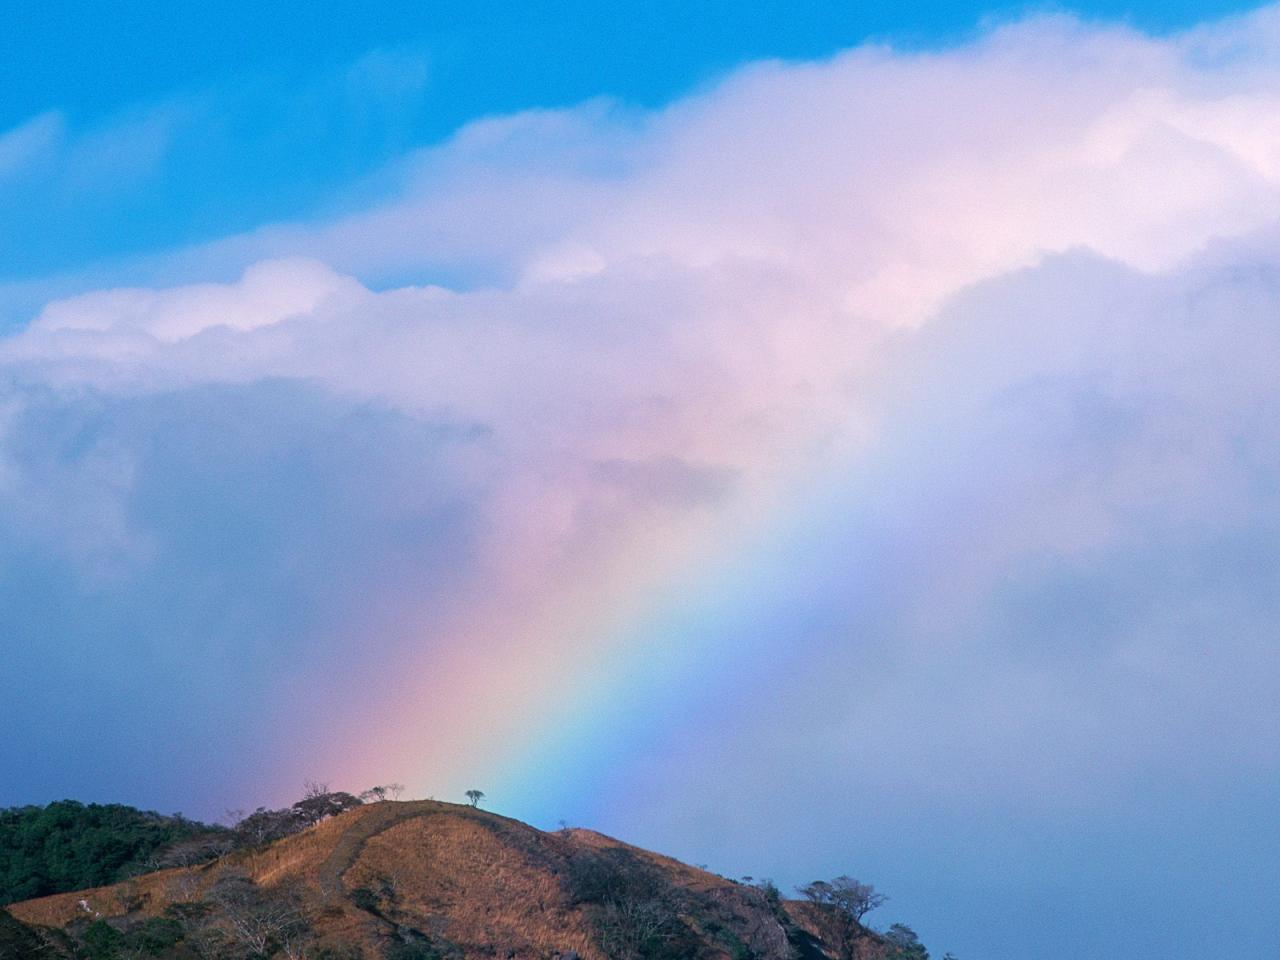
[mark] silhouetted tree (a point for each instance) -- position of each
(475, 796)
(265, 826)
(320, 803)
(906, 945)
(840, 905)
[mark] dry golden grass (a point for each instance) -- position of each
(295, 857)
(469, 876)
(464, 882)
(153, 892)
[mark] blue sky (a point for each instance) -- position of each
(245, 113)
(801, 438)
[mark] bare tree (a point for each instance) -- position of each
(265, 926)
(197, 850)
(839, 906)
(395, 789)
(633, 930)
(475, 796)
(206, 942)
(126, 897)
(261, 923)
(633, 906)
(48, 944)
(295, 941)
(183, 887)
(263, 826)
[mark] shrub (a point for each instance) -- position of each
(633, 908)
(101, 941)
(155, 935)
(413, 950)
(345, 952)
(906, 945)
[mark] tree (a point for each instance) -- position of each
(845, 894)
(839, 906)
(73, 846)
(264, 826)
(190, 853)
(262, 922)
(320, 803)
(183, 887)
(770, 890)
(475, 796)
(906, 945)
(633, 907)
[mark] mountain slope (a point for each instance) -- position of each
(421, 880)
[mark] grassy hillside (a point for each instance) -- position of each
(433, 881)
(427, 881)
(72, 846)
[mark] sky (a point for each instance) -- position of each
(803, 439)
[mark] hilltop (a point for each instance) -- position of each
(425, 880)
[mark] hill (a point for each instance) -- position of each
(425, 880)
(69, 845)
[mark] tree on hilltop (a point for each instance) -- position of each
(320, 803)
(475, 796)
(265, 826)
(839, 907)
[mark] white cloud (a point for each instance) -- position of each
(268, 292)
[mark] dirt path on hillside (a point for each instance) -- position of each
(374, 820)
(378, 817)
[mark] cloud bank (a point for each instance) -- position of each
(908, 420)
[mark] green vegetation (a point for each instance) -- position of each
(18, 941)
(72, 846)
(69, 845)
